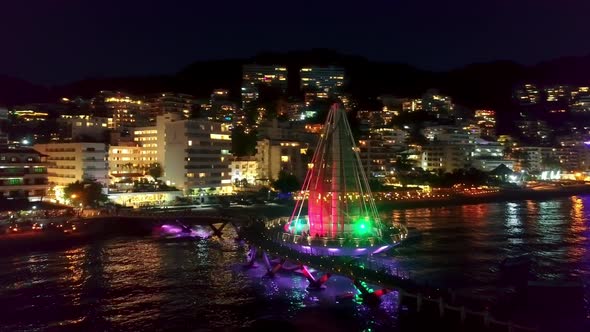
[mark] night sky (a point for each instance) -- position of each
(56, 41)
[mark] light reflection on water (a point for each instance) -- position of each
(130, 284)
(462, 246)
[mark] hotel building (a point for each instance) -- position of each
(23, 173)
(71, 162)
(194, 153)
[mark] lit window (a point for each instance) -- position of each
(285, 159)
(190, 143)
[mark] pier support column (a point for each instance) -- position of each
(463, 315)
(218, 231)
(271, 271)
(251, 258)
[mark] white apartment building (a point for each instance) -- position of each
(71, 162)
(194, 153)
(244, 169)
(486, 156)
(23, 173)
(125, 162)
(273, 156)
(197, 156)
(446, 157)
(532, 158)
(152, 139)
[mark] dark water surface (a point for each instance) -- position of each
(460, 246)
(133, 284)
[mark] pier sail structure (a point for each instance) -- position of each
(336, 191)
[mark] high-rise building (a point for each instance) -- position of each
(23, 173)
(486, 120)
(197, 156)
(71, 162)
(254, 76)
(152, 139)
(321, 82)
(194, 153)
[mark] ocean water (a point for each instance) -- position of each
(133, 284)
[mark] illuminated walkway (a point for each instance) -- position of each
(362, 270)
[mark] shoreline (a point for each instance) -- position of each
(103, 227)
(505, 195)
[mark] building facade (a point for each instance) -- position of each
(244, 171)
(380, 149)
(71, 162)
(126, 162)
(446, 157)
(169, 102)
(486, 120)
(255, 75)
(275, 155)
(23, 173)
(197, 156)
(126, 110)
(84, 127)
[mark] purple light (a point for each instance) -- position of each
(360, 249)
(333, 249)
(306, 247)
(177, 231)
(171, 229)
(587, 142)
(380, 249)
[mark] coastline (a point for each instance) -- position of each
(141, 224)
(504, 195)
